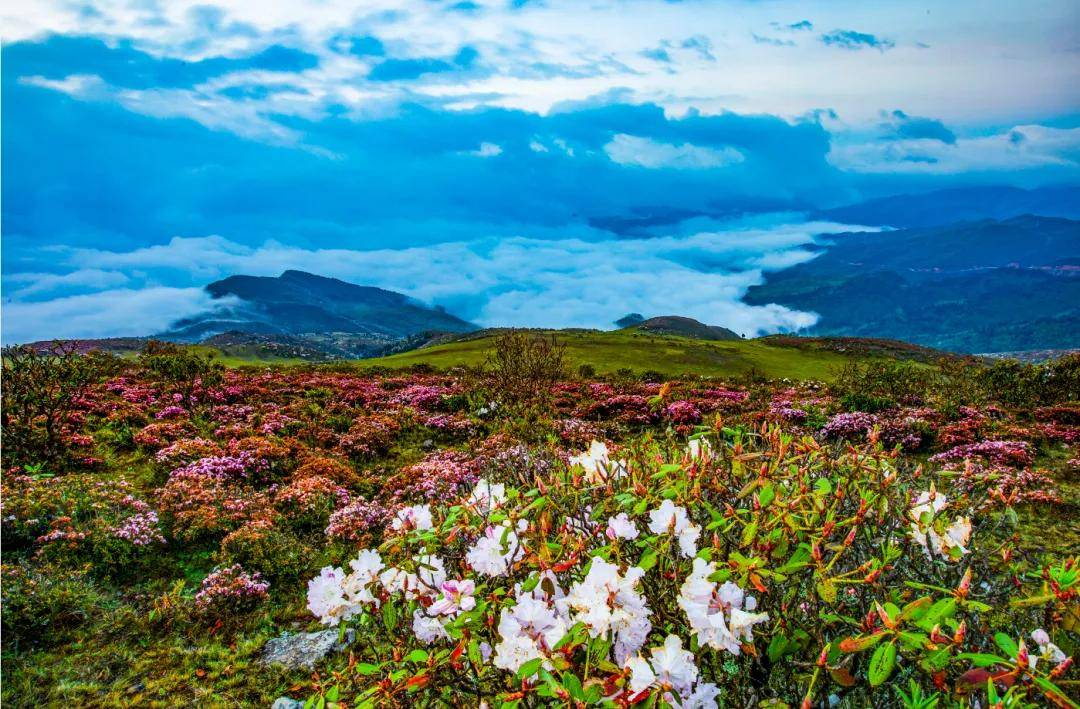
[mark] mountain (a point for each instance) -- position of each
(959, 205)
(683, 327)
(299, 303)
(984, 286)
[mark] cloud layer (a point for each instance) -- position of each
(531, 163)
(701, 270)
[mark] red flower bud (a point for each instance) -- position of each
(1061, 668)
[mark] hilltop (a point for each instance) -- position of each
(299, 303)
(983, 286)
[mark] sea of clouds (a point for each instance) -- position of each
(700, 270)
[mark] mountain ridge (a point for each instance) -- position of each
(301, 303)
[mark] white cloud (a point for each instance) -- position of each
(993, 66)
(1023, 147)
(487, 150)
(38, 283)
(644, 152)
(119, 312)
(515, 280)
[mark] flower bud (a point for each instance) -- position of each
(1062, 667)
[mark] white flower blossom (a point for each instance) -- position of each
(496, 551)
(457, 597)
(670, 518)
(1047, 650)
(928, 531)
(719, 615)
(699, 449)
(325, 597)
(671, 668)
(415, 517)
(621, 527)
(527, 631)
(608, 602)
(597, 464)
(428, 629)
(486, 496)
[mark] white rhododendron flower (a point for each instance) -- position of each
(669, 518)
(497, 550)
(325, 597)
(641, 674)
(334, 596)
(949, 542)
(486, 496)
(670, 667)
(699, 449)
(528, 630)
(930, 501)
(365, 571)
(457, 597)
(415, 517)
(621, 527)
(608, 603)
(426, 582)
(1047, 650)
(428, 629)
(597, 465)
(718, 614)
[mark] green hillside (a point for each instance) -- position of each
(607, 352)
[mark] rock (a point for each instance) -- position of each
(303, 649)
(286, 703)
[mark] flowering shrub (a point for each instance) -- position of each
(1011, 453)
(665, 579)
(368, 437)
(439, 476)
(848, 425)
(686, 542)
(682, 412)
(356, 521)
(80, 518)
(229, 590)
(259, 545)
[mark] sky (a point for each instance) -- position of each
(520, 162)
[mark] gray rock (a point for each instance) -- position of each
(303, 649)
(286, 703)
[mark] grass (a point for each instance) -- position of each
(609, 352)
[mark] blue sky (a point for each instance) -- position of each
(488, 156)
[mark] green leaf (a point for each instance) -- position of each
(1007, 644)
(766, 495)
(417, 656)
(573, 685)
(366, 668)
(827, 590)
(916, 609)
(943, 609)
(982, 659)
(882, 663)
(389, 616)
(749, 533)
(529, 668)
(648, 559)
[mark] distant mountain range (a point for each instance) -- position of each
(1007, 283)
(314, 311)
(983, 286)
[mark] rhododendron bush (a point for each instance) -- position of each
(608, 541)
(745, 567)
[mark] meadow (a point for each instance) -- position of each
(518, 522)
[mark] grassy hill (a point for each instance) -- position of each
(607, 352)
